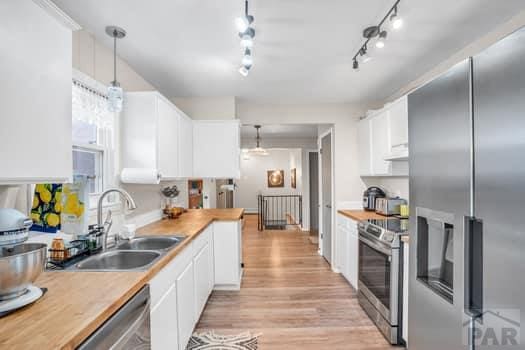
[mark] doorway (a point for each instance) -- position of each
(326, 196)
(313, 166)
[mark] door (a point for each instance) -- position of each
(499, 105)
(326, 178)
(314, 192)
(439, 159)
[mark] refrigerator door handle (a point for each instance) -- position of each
(473, 267)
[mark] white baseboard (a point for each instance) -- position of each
(146, 218)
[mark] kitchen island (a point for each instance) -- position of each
(79, 302)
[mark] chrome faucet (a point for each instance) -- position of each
(104, 227)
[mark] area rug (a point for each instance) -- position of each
(212, 341)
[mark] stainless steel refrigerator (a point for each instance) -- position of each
(467, 199)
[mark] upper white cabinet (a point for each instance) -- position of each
(398, 129)
(35, 108)
(156, 135)
(216, 149)
(185, 146)
(383, 141)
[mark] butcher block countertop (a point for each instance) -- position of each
(360, 214)
(78, 302)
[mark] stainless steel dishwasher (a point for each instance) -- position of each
(128, 328)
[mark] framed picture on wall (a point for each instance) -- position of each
(275, 178)
(293, 177)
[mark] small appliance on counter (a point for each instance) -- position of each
(389, 206)
(20, 263)
(370, 196)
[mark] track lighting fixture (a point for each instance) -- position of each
(247, 34)
(373, 32)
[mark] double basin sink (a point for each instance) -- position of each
(135, 254)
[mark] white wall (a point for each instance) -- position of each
(253, 176)
(207, 108)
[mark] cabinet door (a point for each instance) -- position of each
(227, 241)
(35, 108)
(185, 146)
(399, 125)
(380, 143)
(216, 149)
(353, 255)
(341, 249)
(185, 305)
(201, 265)
(168, 144)
(364, 147)
(164, 324)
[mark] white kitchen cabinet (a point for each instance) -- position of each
(379, 125)
(364, 140)
(35, 108)
(399, 129)
(202, 278)
(227, 249)
(185, 305)
(216, 149)
(185, 146)
(164, 323)
(348, 249)
(151, 136)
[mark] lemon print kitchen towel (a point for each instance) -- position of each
(46, 208)
(75, 198)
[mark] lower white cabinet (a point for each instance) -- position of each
(185, 305)
(348, 249)
(164, 323)
(227, 249)
(179, 292)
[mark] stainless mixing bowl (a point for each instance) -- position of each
(19, 267)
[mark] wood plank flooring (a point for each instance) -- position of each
(290, 296)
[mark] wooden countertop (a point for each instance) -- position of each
(78, 302)
(360, 215)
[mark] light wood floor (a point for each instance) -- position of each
(290, 296)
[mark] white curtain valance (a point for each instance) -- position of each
(89, 105)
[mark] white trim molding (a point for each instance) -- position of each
(53, 10)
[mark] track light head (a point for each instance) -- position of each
(365, 57)
(244, 71)
(380, 43)
(243, 23)
(247, 59)
(355, 65)
(395, 20)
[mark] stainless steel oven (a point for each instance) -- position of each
(380, 274)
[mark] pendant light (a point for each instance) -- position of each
(115, 92)
(258, 150)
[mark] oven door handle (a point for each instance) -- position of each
(375, 246)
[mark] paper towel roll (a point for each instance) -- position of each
(140, 176)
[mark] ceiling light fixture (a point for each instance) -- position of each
(376, 31)
(115, 92)
(258, 150)
(246, 33)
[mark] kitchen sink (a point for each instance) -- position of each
(151, 243)
(116, 260)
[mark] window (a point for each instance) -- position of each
(93, 134)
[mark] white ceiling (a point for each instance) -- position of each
(283, 131)
(303, 48)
